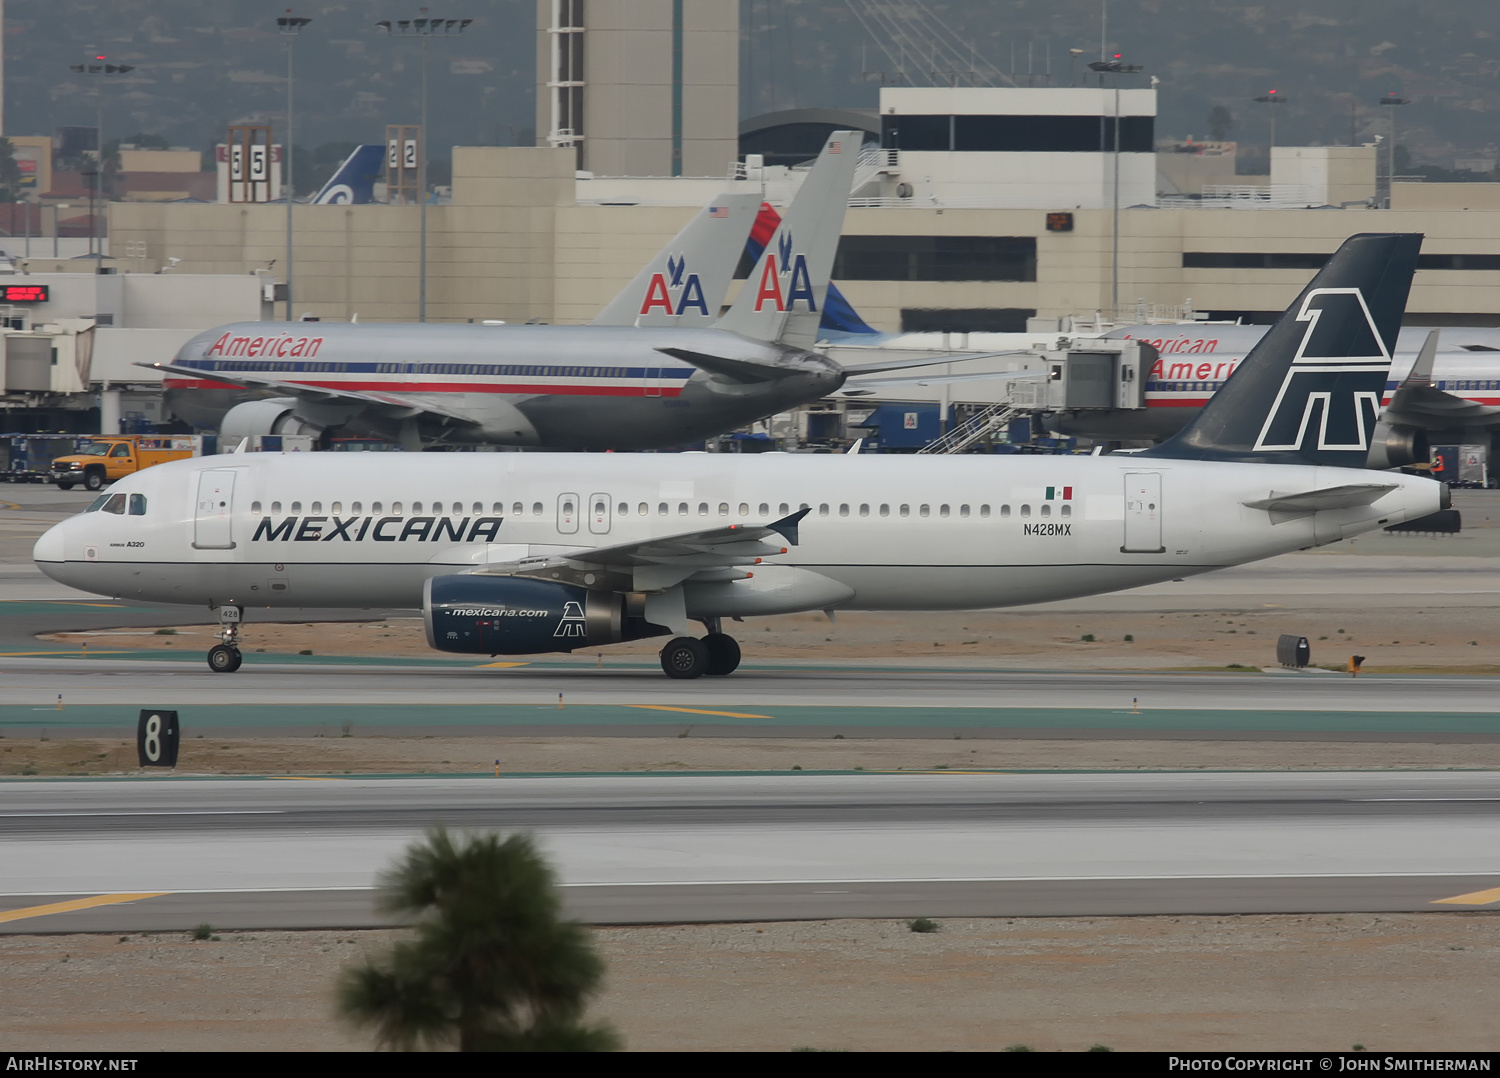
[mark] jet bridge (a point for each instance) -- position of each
(1087, 374)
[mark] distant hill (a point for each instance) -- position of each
(201, 64)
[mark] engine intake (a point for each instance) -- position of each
(508, 615)
(277, 415)
(1397, 447)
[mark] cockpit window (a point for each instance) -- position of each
(115, 504)
(97, 504)
(137, 505)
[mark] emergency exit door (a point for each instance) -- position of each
(599, 514)
(1143, 513)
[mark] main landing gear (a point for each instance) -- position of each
(225, 658)
(686, 657)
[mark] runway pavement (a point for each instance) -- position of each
(139, 855)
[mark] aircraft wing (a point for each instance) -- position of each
(1418, 402)
(653, 564)
(318, 394)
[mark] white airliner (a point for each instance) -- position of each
(527, 553)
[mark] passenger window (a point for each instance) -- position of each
(254, 507)
(1046, 511)
(137, 505)
(624, 509)
(906, 510)
(518, 509)
(703, 509)
(437, 508)
(120, 451)
(926, 511)
(643, 509)
(1026, 510)
(785, 509)
(416, 508)
(765, 510)
(97, 504)
(297, 507)
(723, 509)
(536, 509)
(115, 505)
(395, 508)
(682, 509)
(864, 510)
(984, 511)
(661, 509)
(885, 510)
(823, 509)
(567, 507)
(317, 507)
(744, 509)
(375, 509)
(844, 509)
(963, 510)
(1067, 510)
(337, 509)
(356, 508)
(276, 508)
(1005, 510)
(942, 510)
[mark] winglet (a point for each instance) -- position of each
(1420, 375)
(786, 527)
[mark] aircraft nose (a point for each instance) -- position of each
(49, 548)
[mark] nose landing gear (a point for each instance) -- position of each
(225, 657)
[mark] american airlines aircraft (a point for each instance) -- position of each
(658, 368)
(515, 554)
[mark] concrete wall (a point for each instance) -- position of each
(1446, 196)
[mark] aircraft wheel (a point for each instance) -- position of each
(723, 654)
(93, 481)
(224, 660)
(684, 657)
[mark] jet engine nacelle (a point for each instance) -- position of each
(275, 416)
(1397, 447)
(509, 615)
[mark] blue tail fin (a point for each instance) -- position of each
(354, 182)
(1309, 392)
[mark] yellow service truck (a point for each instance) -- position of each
(114, 456)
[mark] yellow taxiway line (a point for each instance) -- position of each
(76, 904)
(1473, 898)
(699, 711)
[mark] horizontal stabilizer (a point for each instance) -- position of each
(1350, 496)
(740, 371)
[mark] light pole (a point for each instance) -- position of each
(425, 29)
(1272, 98)
(1390, 175)
(101, 69)
(1117, 68)
(289, 27)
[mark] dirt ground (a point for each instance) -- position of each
(1318, 983)
(1428, 641)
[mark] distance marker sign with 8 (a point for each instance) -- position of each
(156, 738)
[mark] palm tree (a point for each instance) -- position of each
(491, 967)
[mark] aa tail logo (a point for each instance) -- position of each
(572, 623)
(783, 263)
(688, 287)
(1325, 385)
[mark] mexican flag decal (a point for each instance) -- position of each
(1052, 493)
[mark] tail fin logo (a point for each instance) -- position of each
(784, 263)
(1324, 387)
(689, 290)
(572, 623)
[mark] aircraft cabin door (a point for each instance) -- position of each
(599, 514)
(1143, 513)
(213, 519)
(567, 513)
